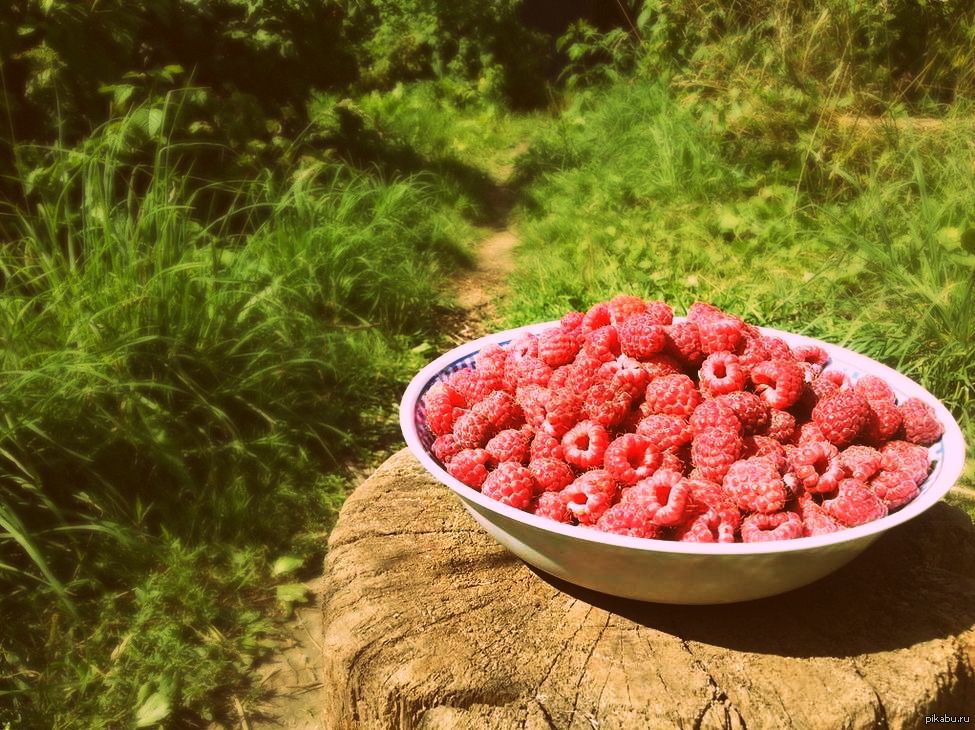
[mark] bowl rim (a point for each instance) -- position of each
(953, 459)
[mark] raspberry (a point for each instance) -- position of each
(720, 373)
(552, 506)
(750, 352)
(764, 446)
(660, 365)
(471, 385)
(894, 488)
(590, 495)
(809, 432)
(551, 475)
(700, 528)
(622, 307)
(557, 347)
(779, 382)
(837, 378)
(532, 399)
(630, 378)
(575, 377)
(714, 413)
(524, 345)
(813, 354)
(672, 395)
(815, 520)
(809, 372)
(585, 445)
(776, 526)
(471, 431)
(527, 370)
(510, 484)
(665, 432)
(883, 422)
(660, 312)
(445, 447)
(561, 412)
(873, 388)
(711, 499)
(641, 337)
(500, 410)
(631, 458)
(776, 348)
(816, 467)
(605, 406)
(906, 457)
(721, 332)
(860, 462)
(632, 519)
(602, 344)
(714, 451)
(750, 409)
(755, 485)
(491, 360)
(597, 316)
(855, 504)
(921, 425)
(781, 425)
(684, 343)
(470, 467)
(674, 459)
(702, 312)
(438, 408)
(665, 495)
(571, 322)
(509, 445)
(545, 446)
(841, 417)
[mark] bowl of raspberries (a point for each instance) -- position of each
(693, 460)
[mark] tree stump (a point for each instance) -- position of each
(431, 624)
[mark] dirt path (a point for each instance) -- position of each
(293, 677)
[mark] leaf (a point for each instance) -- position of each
(154, 710)
(292, 593)
(968, 240)
(286, 564)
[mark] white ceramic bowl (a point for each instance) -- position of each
(676, 572)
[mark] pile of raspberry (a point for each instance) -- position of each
(702, 430)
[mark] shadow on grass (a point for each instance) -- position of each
(915, 584)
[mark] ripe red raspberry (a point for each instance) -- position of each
(584, 446)
(527, 370)
(719, 333)
(470, 467)
(545, 446)
(702, 312)
(776, 526)
(631, 458)
(883, 422)
(665, 432)
(764, 446)
(562, 412)
(590, 495)
(873, 388)
(532, 399)
(813, 354)
(551, 475)
(438, 408)
(577, 377)
(860, 462)
(894, 488)
(810, 373)
(684, 343)
(632, 519)
(624, 306)
(711, 499)
(699, 527)
(552, 506)
(815, 520)
(777, 348)
(557, 347)
(444, 447)
(781, 426)
(602, 344)
(571, 322)
(841, 417)
(509, 445)
(524, 345)
(597, 316)
(660, 365)
(714, 451)
(471, 431)
(720, 373)
(675, 459)
(500, 410)
(641, 337)
(510, 484)
(755, 485)
(838, 378)
(855, 504)
(630, 378)
(665, 494)
(660, 312)
(921, 424)
(809, 432)
(817, 467)
(750, 409)
(605, 406)
(472, 385)
(672, 395)
(714, 413)
(779, 382)
(751, 351)
(906, 457)
(491, 360)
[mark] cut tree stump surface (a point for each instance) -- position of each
(431, 624)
